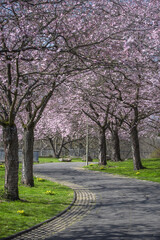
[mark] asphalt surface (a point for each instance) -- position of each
(125, 208)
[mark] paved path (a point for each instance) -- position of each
(83, 202)
(125, 209)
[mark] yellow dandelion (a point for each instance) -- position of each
(20, 211)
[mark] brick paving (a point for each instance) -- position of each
(84, 202)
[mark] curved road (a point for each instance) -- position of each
(125, 209)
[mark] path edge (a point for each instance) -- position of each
(46, 221)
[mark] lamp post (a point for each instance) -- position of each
(87, 144)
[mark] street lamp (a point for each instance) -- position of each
(87, 144)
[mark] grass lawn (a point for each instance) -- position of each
(46, 160)
(125, 168)
(37, 204)
(50, 160)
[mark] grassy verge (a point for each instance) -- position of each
(150, 173)
(37, 204)
(47, 160)
(50, 160)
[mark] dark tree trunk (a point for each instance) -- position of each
(27, 163)
(10, 139)
(102, 147)
(135, 149)
(115, 148)
(56, 152)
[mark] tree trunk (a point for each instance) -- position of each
(135, 149)
(115, 148)
(10, 139)
(56, 152)
(27, 163)
(102, 148)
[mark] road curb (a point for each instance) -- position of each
(82, 203)
(44, 222)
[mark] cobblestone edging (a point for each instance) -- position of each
(83, 202)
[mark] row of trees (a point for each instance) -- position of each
(99, 58)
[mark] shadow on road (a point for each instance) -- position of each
(126, 209)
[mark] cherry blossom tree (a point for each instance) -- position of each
(21, 49)
(60, 123)
(137, 98)
(94, 105)
(40, 41)
(34, 111)
(138, 70)
(29, 33)
(60, 57)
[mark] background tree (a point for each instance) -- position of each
(60, 123)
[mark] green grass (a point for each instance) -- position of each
(47, 160)
(50, 160)
(39, 203)
(125, 168)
